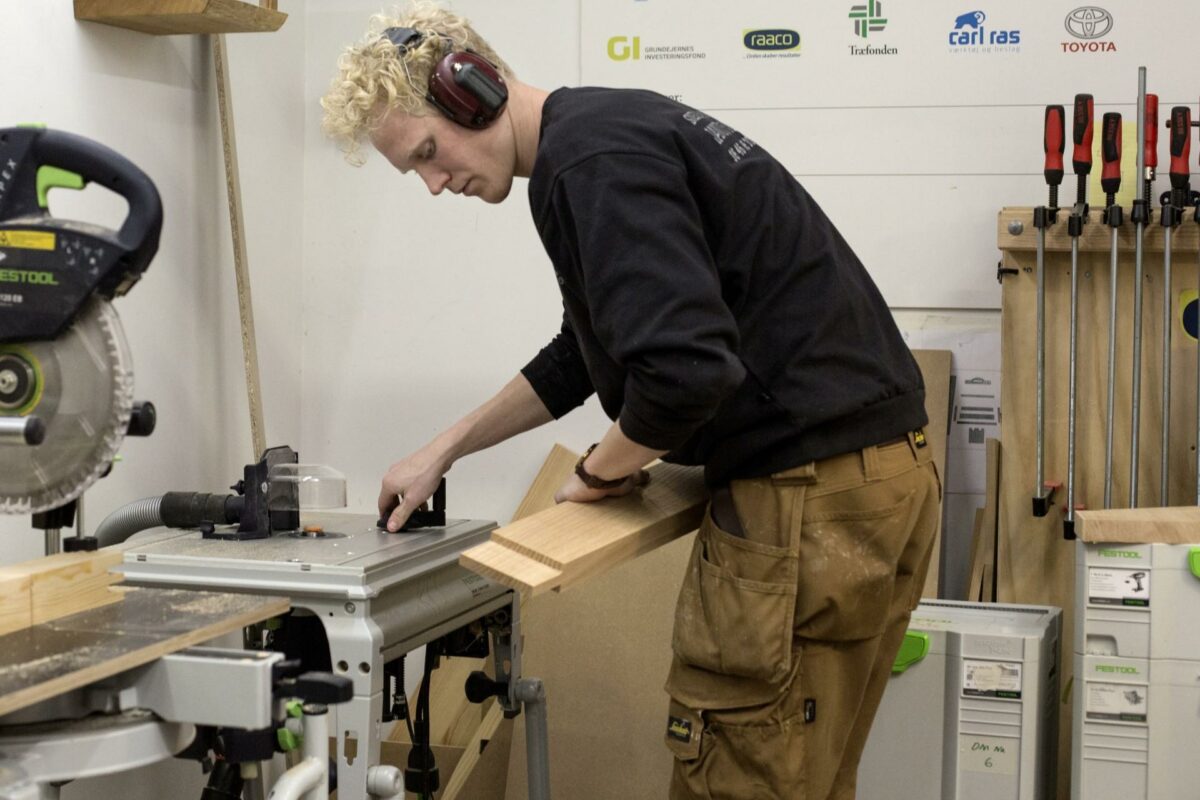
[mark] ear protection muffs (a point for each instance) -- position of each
(464, 86)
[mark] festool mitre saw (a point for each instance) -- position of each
(66, 381)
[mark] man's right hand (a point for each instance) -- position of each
(408, 484)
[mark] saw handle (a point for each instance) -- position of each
(96, 163)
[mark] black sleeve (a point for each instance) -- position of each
(653, 293)
(558, 373)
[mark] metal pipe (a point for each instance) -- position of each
(1139, 243)
(1070, 518)
(1163, 489)
(1112, 371)
(22, 430)
(1040, 485)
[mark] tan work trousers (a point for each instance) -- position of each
(786, 630)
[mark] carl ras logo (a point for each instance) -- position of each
(868, 18)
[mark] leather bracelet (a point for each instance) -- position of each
(590, 480)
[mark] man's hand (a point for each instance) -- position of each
(408, 484)
(576, 491)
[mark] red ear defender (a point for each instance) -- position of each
(464, 85)
(468, 89)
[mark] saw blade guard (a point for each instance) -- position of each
(81, 386)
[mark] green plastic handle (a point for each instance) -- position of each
(1194, 561)
(914, 648)
(50, 177)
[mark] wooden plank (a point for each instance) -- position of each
(991, 520)
(483, 769)
(1178, 525)
(241, 267)
(45, 660)
(581, 539)
(45, 589)
(935, 369)
(1096, 237)
(975, 582)
(557, 467)
(167, 17)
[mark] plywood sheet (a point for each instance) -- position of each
(45, 660)
(935, 369)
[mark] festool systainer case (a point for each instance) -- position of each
(1136, 702)
(970, 712)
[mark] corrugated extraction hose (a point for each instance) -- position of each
(129, 519)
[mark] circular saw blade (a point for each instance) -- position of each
(84, 397)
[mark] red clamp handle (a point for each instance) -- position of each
(1053, 143)
(1181, 145)
(1151, 127)
(1081, 159)
(1110, 152)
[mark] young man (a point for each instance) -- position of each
(723, 321)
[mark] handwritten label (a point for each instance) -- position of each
(979, 754)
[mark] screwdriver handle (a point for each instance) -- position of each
(1181, 146)
(1151, 128)
(1081, 159)
(1110, 153)
(1053, 143)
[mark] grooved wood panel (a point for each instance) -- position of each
(572, 541)
(1036, 564)
(166, 17)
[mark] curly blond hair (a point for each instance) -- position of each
(372, 79)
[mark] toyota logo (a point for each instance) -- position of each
(1089, 22)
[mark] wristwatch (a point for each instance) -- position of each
(590, 480)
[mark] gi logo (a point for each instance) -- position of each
(1089, 24)
(624, 48)
(970, 35)
(773, 39)
(868, 19)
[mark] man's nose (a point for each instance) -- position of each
(435, 180)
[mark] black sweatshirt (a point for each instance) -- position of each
(707, 299)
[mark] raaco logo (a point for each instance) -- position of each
(771, 39)
(971, 35)
(1089, 25)
(624, 48)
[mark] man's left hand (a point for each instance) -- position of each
(576, 491)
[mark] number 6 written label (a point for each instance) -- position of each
(980, 754)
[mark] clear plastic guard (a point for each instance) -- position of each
(308, 486)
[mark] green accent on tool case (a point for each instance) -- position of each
(1194, 561)
(914, 648)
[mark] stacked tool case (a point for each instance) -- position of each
(1137, 672)
(970, 712)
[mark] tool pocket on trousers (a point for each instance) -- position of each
(736, 607)
(850, 552)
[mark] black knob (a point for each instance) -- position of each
(480, 687)
(35, 430)
(142, 419)
(321, 687)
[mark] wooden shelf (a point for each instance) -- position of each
(167, 17)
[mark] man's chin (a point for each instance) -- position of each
(494, 196)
